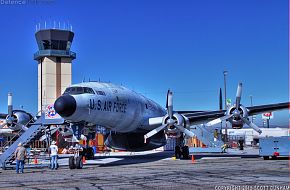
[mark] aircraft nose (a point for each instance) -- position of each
(65, 105)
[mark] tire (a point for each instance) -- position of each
(185, 152)
(274, 157)
(79, 162)
(90, 154)
(177, 152)
(71, 162)
(266, 157)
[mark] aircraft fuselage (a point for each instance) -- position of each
(108, 105)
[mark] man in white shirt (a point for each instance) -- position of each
(53, 154)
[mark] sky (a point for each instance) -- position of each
(153, 45)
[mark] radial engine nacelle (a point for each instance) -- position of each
(16, 119)
(237, 115)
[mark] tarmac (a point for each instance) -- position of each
(156, 170)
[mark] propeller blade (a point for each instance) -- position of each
(154, 131)
(10, 106)
(239, 95)
(218, 120)
(167, 98)
(155, 121)
(169, 104)
(250, 124)
(184, 130)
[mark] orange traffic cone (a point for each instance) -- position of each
(35, 160)
(192, 158)
(84, 159)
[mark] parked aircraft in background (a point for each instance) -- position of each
(14, 120)
(138, 123)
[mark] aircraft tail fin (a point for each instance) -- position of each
(220, 100)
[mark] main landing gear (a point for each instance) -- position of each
(181, 149)
(182, 153)
(76, 162)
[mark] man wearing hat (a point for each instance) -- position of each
(20, 154)
(53, 154)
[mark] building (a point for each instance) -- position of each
(252, 137)
(54, 60)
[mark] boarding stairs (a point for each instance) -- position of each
(207, 138)
(25, 138)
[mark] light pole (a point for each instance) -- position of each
(225, 86)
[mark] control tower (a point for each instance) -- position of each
(54, 64)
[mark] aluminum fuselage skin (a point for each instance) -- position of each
(114, 107)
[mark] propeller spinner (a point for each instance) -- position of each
(236, 115)
(172, 122)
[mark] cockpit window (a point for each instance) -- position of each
(89, 90)
(101, 93)
(79, 90)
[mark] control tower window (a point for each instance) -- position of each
(46, 44)
(55, 44)
(79, 90)
(68, 45)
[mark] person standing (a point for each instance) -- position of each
(53, 154)
(20, 155)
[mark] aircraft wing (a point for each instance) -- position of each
(238, 115)
(254, 110)
(201, 117)
(189, 112)
(3, 116)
